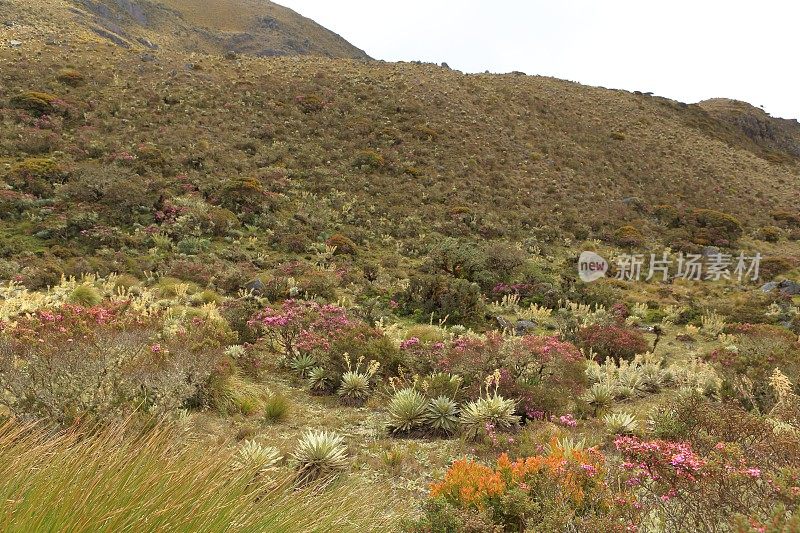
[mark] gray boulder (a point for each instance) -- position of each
(256, 286)
(769, 287)
(523, 327)
(786, 287)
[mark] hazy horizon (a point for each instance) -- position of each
(689, 51)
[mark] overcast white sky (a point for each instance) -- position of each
(686, 50)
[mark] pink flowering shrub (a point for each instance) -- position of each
(543, 373)
(300, 326)
(695, 491)
(325, 331)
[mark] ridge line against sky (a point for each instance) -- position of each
(685, 50)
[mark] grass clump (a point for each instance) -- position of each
(235, 394)
(95, 481)
(276, 408)
(85, 295)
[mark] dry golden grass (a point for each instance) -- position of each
(113, 480)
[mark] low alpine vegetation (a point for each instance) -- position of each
(320, 455)
(407, 411)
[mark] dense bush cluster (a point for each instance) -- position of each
(101, 363)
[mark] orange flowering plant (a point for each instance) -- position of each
(567, 484)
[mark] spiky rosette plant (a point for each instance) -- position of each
(599, 395)
(620, 423)
(318, 380)
(319, 455)
(441, 415)
(355, 386)
(254, 457)
(489, 411)
(406, 411)
(303, 363)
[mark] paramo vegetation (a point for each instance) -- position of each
(342, 295)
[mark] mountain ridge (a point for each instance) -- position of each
(253, 27)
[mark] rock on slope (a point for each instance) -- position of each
(772, 133)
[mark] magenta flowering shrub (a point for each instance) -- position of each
(695, 491)
(327, 332)
(544, 373)
(300, 326)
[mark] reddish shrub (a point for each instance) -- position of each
(615, 341)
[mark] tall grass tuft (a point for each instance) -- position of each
(112, 480)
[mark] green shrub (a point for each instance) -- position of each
(245, 195)
(222, 221)
(121, 194)
(628, 236)
(773, 266)
(36, 103)
(71, 77)
(344, 246)
(37, 176)
(710, 227)
(457, 300)
(13, 204)
(310, 103)
(668, 214)
(770, 233)
(369, 159)
(787, 217)
(192, 245)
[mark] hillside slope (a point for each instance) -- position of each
(773, 133)
(393, 156)
(256, 27)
